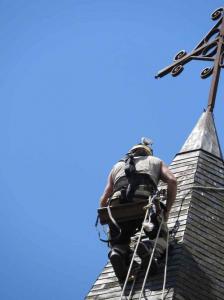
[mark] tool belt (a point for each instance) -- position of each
(123, 212)
(129, 198)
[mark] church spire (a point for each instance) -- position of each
(204, 136)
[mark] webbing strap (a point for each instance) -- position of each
(139, 179)
(210, 188)
(115, 224)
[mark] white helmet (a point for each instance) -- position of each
(145, 144)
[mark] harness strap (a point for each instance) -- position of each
(113, 221)
(139, 179)
(132, 179)
(99, 235)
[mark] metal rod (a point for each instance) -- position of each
(185, 59)
(210, 31)
(216, 71)
(205, 58)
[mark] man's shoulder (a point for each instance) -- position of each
(118, 164)
(155, 159)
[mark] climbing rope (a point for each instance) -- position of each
(132, 288)
(149, 265)
(136, 246)
(151, 258)
(210, 188)
(150, 261)
(165, 268)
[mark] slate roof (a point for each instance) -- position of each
(195, 265)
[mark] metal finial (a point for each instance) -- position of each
(210, 48)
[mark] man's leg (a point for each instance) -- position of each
(160, 249)
(120, 254)
(118, 257)
(144, 251)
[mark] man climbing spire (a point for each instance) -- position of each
(132, 179)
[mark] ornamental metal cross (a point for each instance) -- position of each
(210, 48)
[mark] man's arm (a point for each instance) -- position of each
(168, 177)
(107, 192)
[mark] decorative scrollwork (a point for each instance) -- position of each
(221, 63)
(180, 55)
(217, 14)
(210, 50)
(212, 34)
(177, 70)
(206, 73)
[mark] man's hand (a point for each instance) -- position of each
(165, 216)
(168, 177)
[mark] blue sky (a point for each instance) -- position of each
(77, 90)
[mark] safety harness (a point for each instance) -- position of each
(127, 187)
(128, 184)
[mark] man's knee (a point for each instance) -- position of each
(122, 249)
(119, 256)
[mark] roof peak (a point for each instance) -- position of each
(204, 136)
